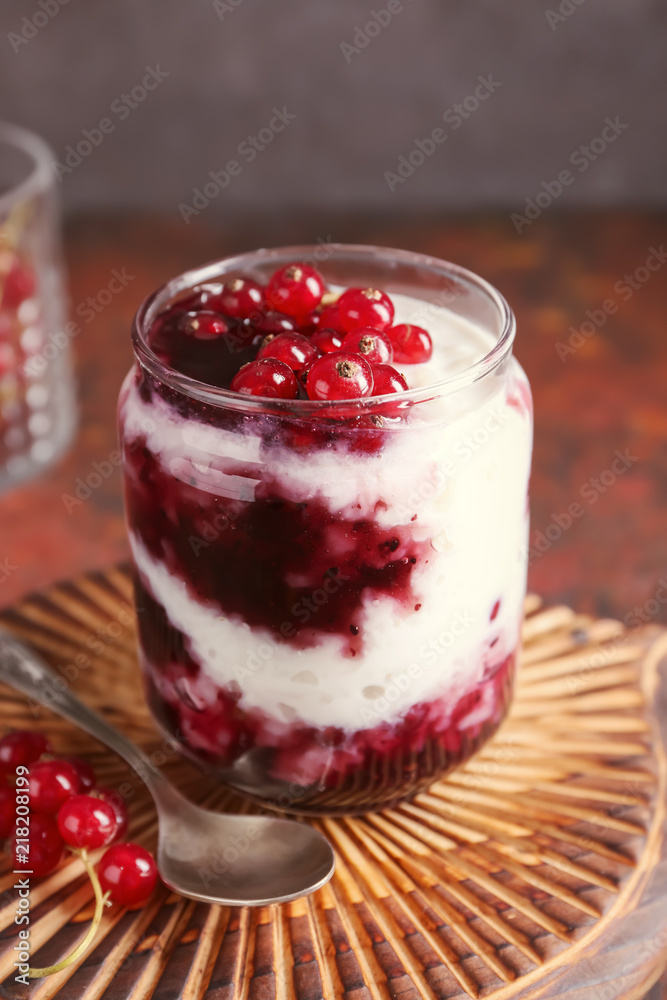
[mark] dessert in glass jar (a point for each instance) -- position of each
(326, 469)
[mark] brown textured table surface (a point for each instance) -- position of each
(600, 399)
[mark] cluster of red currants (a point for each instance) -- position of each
(66, 809)
(306, 346)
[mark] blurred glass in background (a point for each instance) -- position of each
(37, 400)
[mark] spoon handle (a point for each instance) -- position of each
(24, 670)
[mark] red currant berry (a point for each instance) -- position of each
(7, 810)
(205, 296)
(341, 375)
(373, 345)
(44, 849)
(387, 379)
(19, 285)
(86, 821)
(272, 323)
(365, 307)
(327, 340)
(412, 344)
(21, 747)
(266, 377)
(117, 803)
(302, 379)
(296, 290)
(85, 773)
(240, 298)
(292, 348)
(203, 325)
(50, 783)
(128, 873)
(329, 318)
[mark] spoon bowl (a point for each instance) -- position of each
(218, 858)
(240, 860)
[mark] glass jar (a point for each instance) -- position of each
(330, 593)
(37, 398)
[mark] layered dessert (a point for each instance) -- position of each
(327, 508)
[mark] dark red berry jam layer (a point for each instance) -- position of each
(242, 556)
(300, 768)
(367, 434)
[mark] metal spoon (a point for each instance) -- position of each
(214, 857)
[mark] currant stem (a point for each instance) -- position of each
(100, 902)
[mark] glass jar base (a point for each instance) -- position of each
(380, 780)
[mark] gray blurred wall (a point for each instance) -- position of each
(555, 70)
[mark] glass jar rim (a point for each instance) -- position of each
(39, 177)
(205, 393)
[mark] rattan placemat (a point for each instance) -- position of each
(537, 870)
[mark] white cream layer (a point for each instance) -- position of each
(461, 465)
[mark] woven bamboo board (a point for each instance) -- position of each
(539, 869)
